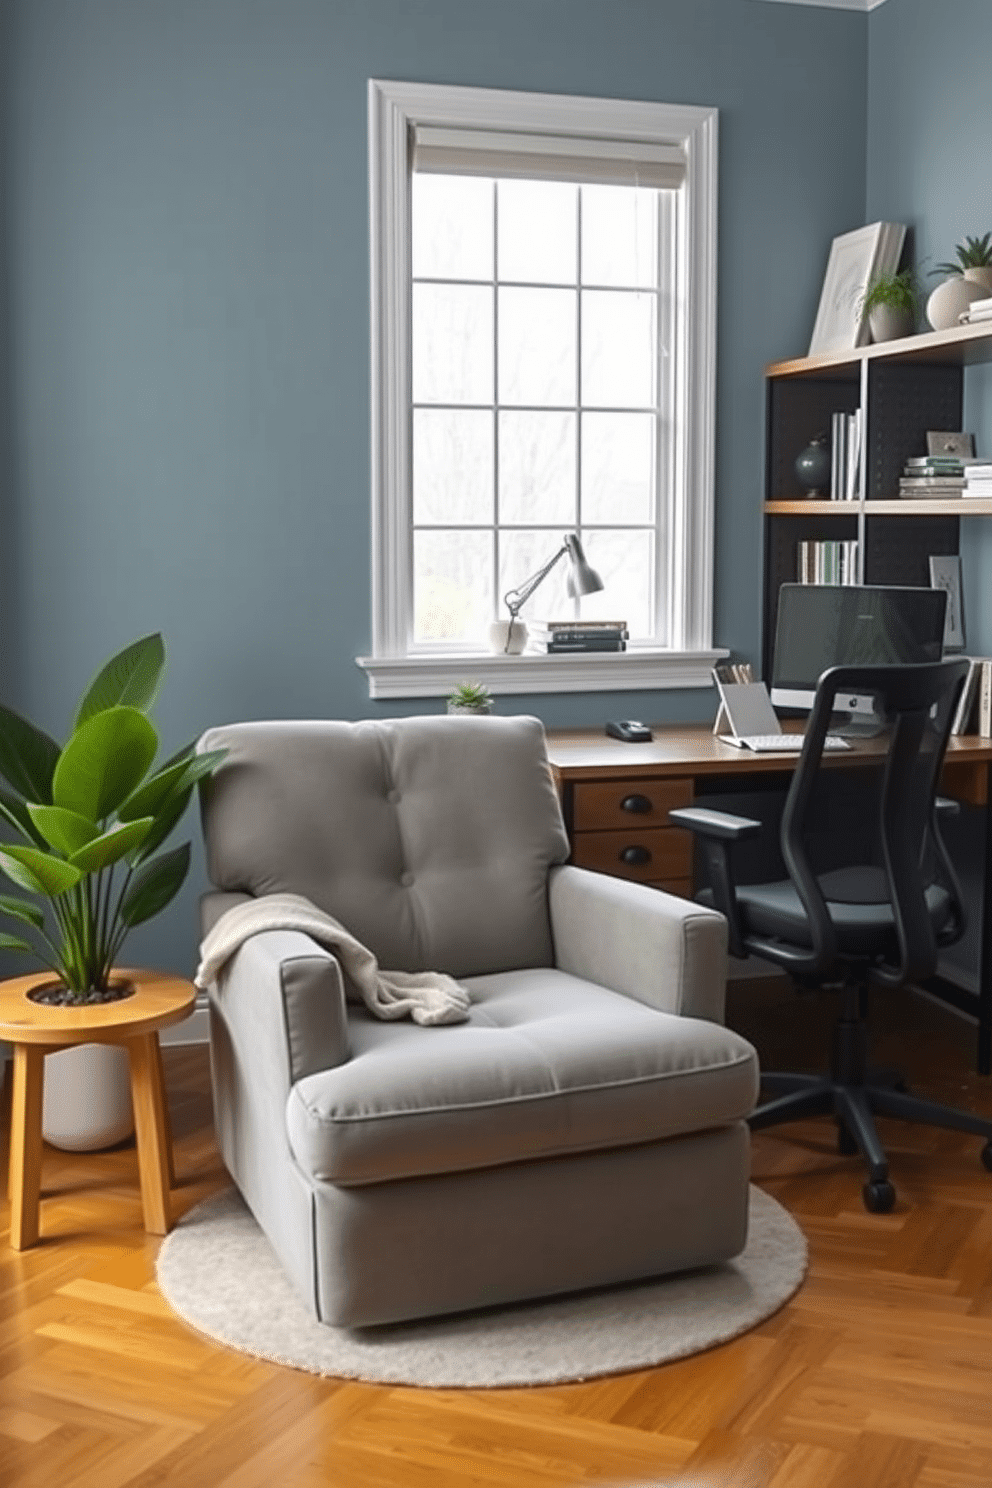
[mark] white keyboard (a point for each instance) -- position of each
(779, 743)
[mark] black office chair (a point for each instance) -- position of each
(878, 903)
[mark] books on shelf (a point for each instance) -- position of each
(827, 561)
(557, 636)
(845, 455)
(974, 710)
(933, 476)
(977, 311)
(978, 478)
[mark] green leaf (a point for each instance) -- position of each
(165, 822)
(15, 943)
(27, 756)
(37, 872)
(129, 679)
(16, 812)
(22, 909)
(112, 846)
(64, 830)
(150, 797)
(154, 886)
(104, 762)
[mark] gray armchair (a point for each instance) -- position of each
(585, 1125)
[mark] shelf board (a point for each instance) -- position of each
(807, 508)
(968, 506)
(963, 346)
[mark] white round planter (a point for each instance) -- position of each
(950, 299)
(982, 276)
(87, 1098)
(507, 637)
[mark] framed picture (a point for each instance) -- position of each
(940, 442)
(945, 573)
(855, 258)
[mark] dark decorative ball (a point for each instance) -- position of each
(813, 467)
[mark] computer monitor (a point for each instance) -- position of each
(827, 625)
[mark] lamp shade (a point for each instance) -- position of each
(581, 578)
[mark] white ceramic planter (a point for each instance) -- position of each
(889, 323)
(87, 1098)
(982, 276)
(507, 637)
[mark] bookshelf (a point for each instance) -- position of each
(905, 387)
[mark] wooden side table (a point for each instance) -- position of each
(35, 1030)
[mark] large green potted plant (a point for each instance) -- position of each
(88, 818)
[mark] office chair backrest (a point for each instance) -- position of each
(918, 703)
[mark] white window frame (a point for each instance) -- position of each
(395, 110)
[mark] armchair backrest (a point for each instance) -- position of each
(429, 838)
(918, 703)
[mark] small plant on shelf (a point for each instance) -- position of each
(470, 697)
(972, 253)
(898, 291)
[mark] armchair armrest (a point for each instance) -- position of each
(718, 830)
(642, 942)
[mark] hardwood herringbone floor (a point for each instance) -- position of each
(878, 1374)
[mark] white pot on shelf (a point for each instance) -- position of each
(87, 1098)
(982, 276)
(950, 299)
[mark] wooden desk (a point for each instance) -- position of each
(616, 798)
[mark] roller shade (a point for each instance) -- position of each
(545, 157)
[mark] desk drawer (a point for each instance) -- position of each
(627, 805)
(650, 854)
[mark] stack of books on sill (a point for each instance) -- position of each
(827, 562)
(933, 477)
(557, 636)
(977, 311)
(845, 455)
(978, 479)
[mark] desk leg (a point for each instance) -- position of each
(25, 1144)
(152, 1132)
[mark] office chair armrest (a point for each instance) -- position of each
(718, 831)
(944, 806)
(663, 951)
(720, 825)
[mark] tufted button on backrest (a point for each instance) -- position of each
(430, 839)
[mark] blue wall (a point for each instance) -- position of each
(188, 348)
(929, 143)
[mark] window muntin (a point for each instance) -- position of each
(577, 317)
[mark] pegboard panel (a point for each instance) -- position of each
(897, 548)
(904, 402)
(799, 409)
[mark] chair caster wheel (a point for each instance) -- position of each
(879, 1197)
(987, 1155)
(846, 1145)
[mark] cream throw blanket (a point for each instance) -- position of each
(425, 996)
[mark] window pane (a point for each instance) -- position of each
(618, 349)
(618, 465)
(620, 236)
(452, 465)
(452, 585)
(452, 344)
(452, 227)
(536, 227)
(537, 467)
(625, 563)
(522, 554)
(537, 346)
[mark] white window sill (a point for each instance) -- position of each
(641, 670)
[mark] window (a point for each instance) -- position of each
(543, 275)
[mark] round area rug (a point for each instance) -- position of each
(219, 1273)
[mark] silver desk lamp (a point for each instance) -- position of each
(582, 579)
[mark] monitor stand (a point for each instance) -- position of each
(857, 725)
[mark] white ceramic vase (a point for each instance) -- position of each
(982, 276)
(87, 1101)
(950, 299)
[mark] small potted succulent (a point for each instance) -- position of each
(470, 697)
(890, 303)
(91, 815)
(974, 261)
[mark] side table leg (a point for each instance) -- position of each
(152, 1132)
(25, 1144)
(169, 1150)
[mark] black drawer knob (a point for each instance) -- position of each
(634, 855)
(637, 804)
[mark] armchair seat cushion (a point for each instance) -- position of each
(547, 1065)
